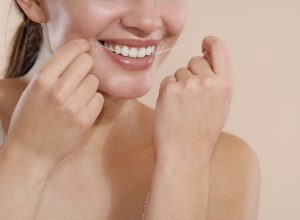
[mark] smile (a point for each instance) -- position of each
(132, 55)
(128, 51)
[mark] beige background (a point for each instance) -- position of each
(264, 38)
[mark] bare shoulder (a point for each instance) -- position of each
(234, 180)
(232, 149)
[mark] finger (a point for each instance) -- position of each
(94, 107)
(76, 72)
(87, 89)
(167, 80)
(219, 54)
(63, 57)
(183, 74)
(207, 56)
(199, 65)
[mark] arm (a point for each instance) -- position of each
(232, 186)
(179, 191)
(190, 112)
(22, 178)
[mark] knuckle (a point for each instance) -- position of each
(166, 82)
(58, 99)
(72, 108)
(41, 81)
(171, 88)
(58, 96)
(192, 83)
(83, 122)
(207, 82)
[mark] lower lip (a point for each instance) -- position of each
(130, 64)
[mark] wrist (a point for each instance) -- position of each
(15, 155)
(182, 164)
(184, 158)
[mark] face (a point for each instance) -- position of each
(133, 28)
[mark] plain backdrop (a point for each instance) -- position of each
(263, 36)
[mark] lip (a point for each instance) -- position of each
(128, 63)
(133, 42)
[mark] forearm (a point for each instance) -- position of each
(22, 178)
(179, 191)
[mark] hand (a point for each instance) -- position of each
(193, 105)
(59, 104)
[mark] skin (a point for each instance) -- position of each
(116, 148)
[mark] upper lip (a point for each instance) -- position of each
(133, 42)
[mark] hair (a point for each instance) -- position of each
(26, 45)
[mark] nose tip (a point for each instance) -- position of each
(150, 24)
(144, 17)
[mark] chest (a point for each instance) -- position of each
(96, 189)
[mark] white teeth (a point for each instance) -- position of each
(111, 47)
(132, 52)
(117, 49)
(142, 52)
(125, 51)
(149, 51)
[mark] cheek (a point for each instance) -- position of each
(84, 19)
(174, 16)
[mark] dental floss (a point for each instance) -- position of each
(166, 50)
(176, 47)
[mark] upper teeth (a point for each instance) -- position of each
(128, 51)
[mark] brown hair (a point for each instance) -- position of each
(26, 45)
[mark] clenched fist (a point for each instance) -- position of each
(193, 105)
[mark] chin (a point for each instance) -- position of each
(126, 88)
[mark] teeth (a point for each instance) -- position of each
(149, 51)
(132, 52)
(118, 49)
(125, 51)
(142, 52)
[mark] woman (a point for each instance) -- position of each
(80, 146)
